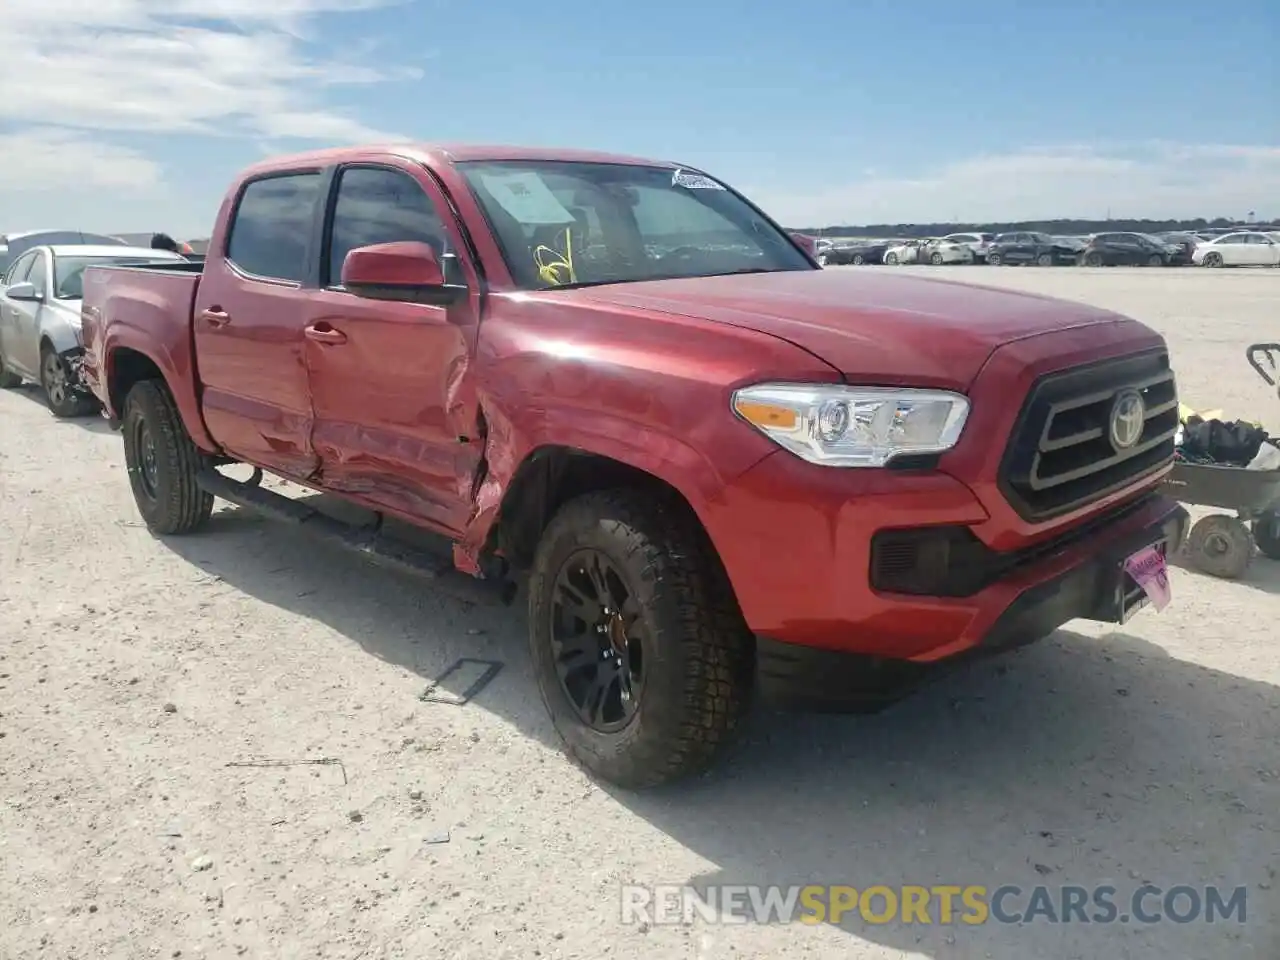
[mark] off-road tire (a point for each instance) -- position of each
(700, 667)
(179, 505)
(1220, 546)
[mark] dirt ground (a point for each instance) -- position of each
(136, 673)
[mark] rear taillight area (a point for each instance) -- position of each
(1090, 431)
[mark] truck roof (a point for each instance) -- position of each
(437, 154)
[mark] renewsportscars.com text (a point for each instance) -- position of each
(970, 904)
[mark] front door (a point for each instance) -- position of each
(249, 313)
(17, 318)
(390, 420)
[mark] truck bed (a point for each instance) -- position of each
(147, 308)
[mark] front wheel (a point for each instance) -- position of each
(163, 462)
(936, 259)
(1044, 260)
(994, 259)
(857, 260)
(1155, 260)
(641, 655)
(1213, 260)
(1093, 259)
(891, 259)
(62, 398)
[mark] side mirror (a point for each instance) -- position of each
(406, 271)
(24, 291)
(807, 243)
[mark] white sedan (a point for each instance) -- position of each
(40, 318)
(936, 252)
(1244, 249)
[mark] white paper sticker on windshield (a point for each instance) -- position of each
(693, 181)
(526, 197)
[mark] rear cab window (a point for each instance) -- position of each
(270, 233)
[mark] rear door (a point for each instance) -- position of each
(392, 422)
(250, 309)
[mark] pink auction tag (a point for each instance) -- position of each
(1149, 571)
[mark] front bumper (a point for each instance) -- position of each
(1085, 582)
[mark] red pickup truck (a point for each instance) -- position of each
(724, 471)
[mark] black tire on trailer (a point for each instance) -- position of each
(1220, 546)
(641, 654)
(1266, 534)
(163, 462)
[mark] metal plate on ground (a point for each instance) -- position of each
(464, 679)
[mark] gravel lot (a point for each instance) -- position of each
(133, 672)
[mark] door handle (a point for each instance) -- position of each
(323, 333)
(215, 317)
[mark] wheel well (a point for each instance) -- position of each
(550, 477)
(128, 368)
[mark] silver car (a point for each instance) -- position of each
(40, 319)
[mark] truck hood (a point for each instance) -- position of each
(875, 328)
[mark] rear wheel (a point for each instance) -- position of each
(857, 260)
(1093, 259)
(641, 654)
(163, 462)
(55, 378)
(1044, 260)
(1155, 260)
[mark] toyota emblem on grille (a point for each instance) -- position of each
(1128, 417)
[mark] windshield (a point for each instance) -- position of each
(566, 223)
(68, 272)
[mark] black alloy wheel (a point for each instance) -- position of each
(597, 640)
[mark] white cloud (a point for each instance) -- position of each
(61, 161)
(90, 73)
(1155, 180)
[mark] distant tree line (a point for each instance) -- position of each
(1057, 227)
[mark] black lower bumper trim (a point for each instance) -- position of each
(798, 677)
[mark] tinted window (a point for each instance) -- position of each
(1234, 238)
(39, 273)
(272, 226)
(21, 267)
(383, 206)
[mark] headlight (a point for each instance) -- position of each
(838, 426)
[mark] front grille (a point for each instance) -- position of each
(1060, 456)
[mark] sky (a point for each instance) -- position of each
(124, 115)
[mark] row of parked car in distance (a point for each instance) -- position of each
(1241, 248)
